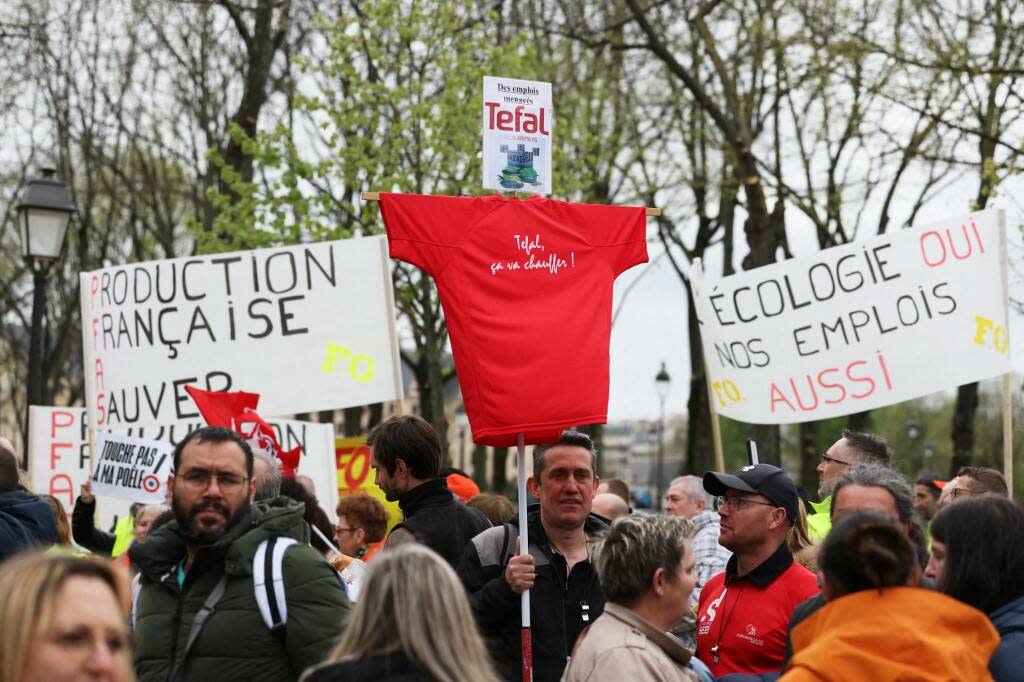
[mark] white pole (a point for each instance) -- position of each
(524, 547)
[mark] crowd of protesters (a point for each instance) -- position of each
(740, 577)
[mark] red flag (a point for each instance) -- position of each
(220, 408)
(237, 411)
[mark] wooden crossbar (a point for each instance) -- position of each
(375, 196)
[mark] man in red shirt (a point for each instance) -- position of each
(743, 612)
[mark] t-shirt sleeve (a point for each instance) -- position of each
(619, 231)
(424, 230)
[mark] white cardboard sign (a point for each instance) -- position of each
(59, 455)
(129, 468)
(858, 326)
(308, 327)
(518, 119)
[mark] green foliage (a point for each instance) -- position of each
(387, 111)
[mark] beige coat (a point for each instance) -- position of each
(622, 646)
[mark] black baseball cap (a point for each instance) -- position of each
(762, 479)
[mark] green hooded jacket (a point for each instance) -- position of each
(235, 643)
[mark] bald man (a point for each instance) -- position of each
(609, 506)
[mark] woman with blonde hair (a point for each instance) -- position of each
(412, 622)
(62, 618)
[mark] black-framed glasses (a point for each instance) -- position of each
(200, 479)
(339, 529)
(825, 458)
(961, 492)
(737, 503)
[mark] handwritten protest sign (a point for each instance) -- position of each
(130, 468)
(307, 327)
(517, 122)
(355, 475)
(858, 326)
(59, 455)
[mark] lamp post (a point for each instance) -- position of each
(44, 212)
(662, 385)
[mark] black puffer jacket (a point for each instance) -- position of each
(557, 602)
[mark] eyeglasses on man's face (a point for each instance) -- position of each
(199, 479)
(825, 459)
(737, 503)
(961, 492)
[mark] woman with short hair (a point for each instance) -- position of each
(978, 558)
(646, 567)
(362, 524)
(62, 618)
(412, 623)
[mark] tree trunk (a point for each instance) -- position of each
(480, 467)
(499, 483)
(375, 416)
(859, 421)
(809, 457)
(963, 426)
(769, 450)
(700, 448)
(353, 421)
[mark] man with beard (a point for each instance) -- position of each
(405, 454)
(565, 595)
(851, 449)
(199, 611)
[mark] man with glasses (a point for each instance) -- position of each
(851, 449)
(973, 482)
(197, 613)
(743, 612)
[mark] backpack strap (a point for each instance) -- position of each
(507, 546)
(177, 673)
(268, 581)
(136, 591)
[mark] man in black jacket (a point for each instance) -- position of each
(565, 596)
(405, 454)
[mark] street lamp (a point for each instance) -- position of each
(43, 214)
(662, 385)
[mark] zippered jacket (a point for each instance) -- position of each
(235, 643)
(560, 606)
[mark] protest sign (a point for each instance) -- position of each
(517, 122)
(858, 326)
(129, 468)
(355, 475)
(59, 455)
(308, 327)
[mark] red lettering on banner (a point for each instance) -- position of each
(54, 455)
(860, 375)
(353, 465)
(94, 287)
(66, 488)
(936, 246)
(56, 421)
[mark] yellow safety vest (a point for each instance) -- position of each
(124, 533)
(820, 522)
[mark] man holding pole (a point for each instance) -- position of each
(565, 594)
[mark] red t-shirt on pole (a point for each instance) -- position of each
(526, 288)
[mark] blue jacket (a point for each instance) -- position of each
(25, 521)
(1007, 664)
